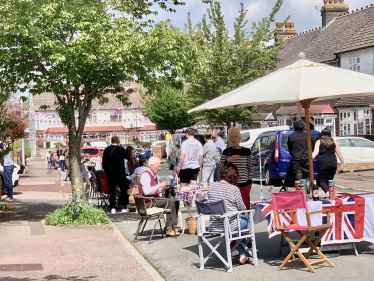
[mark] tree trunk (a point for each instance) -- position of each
(77, 183)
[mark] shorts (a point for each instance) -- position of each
(187, 175)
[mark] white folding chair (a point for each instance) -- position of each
(226, 235)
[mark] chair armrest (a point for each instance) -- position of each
(287, 211)
(236, 213)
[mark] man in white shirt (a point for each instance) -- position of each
(149, 185)
(191, 161)
(8, 167)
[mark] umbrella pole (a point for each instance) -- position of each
(306, 106)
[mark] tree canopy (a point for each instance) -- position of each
(167, 107)
(82, 50)
(232, 60)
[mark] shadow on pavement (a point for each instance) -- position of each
(29, 211)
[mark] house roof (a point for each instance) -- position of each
(88, 129)
(321, 45)
(50, 100)
(315, 108)
(355, 102)
(362, 39)
(263, 116)
(148, 128)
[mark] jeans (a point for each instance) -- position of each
(244, 224)
(62, 165)
(301, 170)
(8, 171)
(216, 174)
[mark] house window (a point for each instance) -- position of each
(92, 118)
(354, 64)
(117, 118)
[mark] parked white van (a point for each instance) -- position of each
(249, 136)
(100, 144)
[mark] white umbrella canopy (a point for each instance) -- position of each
(303, 81)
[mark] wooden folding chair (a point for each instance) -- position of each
(289, 202)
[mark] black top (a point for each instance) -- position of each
(244, 164)
(114, 159)
(325, 156)
(298, 147)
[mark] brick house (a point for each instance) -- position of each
(345, 40)
(104, 121)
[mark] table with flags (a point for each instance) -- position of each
(352, 217)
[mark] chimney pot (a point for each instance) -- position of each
(371, 5)
(278, 23)
(366, 6)
(362, 8)
(356, 10)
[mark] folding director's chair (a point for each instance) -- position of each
(289, 202)
(226, 235)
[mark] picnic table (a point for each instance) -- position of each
(352, 216)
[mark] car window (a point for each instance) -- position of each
(245, 137)
(264, 143)
(362, 143)
(271, 142)
(91, 151)
(344, 143)
(284, 141)
(255, 145)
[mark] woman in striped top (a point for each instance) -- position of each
(227, 191)
(242, 158)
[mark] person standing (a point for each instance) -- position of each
(241, 157)
(298, 148)
(191, 159)
(325, 149)
(209, 160)
(114, 165)
(220, 147)
(8, 167)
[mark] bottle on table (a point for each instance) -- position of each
(315, 191)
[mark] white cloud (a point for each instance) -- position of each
(256, 8)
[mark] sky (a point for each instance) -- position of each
(303, 12)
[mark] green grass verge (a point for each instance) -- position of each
(65, 216)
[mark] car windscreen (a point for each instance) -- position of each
(285, 139)
(91, 151)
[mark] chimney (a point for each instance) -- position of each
(332, 9)
(285, 31)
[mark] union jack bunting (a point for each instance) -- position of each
(352, 216)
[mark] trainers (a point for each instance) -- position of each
(7, 199)
(113, 211)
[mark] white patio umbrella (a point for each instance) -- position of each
(303, 81)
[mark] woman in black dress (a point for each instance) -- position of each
(326, 148)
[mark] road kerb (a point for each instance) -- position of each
(151, 271)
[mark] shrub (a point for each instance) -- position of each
(58, 144)
(47, 144)
(18, 145)
(74, 213)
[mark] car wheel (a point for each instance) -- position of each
(267, 176)
(171, 166)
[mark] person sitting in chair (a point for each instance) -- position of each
(149, 186)
(227, 191)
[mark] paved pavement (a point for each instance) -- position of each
(358, 180)
(32, 251)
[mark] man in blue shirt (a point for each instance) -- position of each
(8, 167)
(220, 147)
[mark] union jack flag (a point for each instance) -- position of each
(351, 216)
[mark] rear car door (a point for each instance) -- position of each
(364, 150)
(255, 158)
(348, 150)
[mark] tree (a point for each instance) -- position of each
(12, 126)
(82, 50)
(167, 107)
(232, 61)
